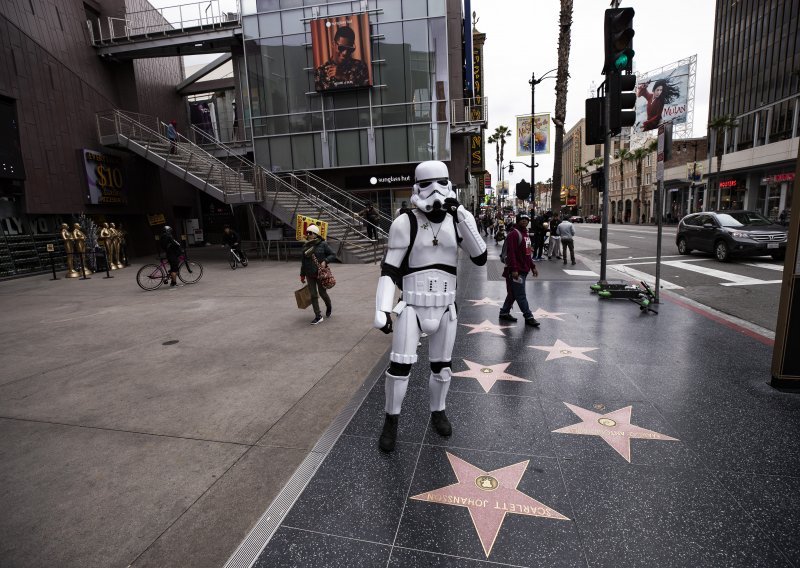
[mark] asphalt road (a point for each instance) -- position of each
(747, 288)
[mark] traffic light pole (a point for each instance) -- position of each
(606, 185)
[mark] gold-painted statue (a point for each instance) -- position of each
(122, 255)
(104, 239)
(80, 246)
(69, 241)
(116, 242)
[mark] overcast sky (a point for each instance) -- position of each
(522, 38)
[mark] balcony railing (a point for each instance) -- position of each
(469, 111)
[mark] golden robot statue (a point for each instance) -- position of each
(123, 255)
(80, 246)
(69, 248)
(104, 239)
(116, 242)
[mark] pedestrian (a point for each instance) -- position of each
(540, 226)
(317, 248)
(404, 208)
(554, 250)
(371, 218)
(519, 261)
(782, 217)
(567, 232)
(172, 134)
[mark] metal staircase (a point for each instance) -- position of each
(232, 179)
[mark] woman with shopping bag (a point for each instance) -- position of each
(317, 254)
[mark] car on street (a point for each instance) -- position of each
(592, 218)
(727, 234)
(576, 219)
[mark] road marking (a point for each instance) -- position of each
(751, 283)
(733, 279)
(643, 276)
(776, 267)
(581, 272)
(625, 260)
(635, 237)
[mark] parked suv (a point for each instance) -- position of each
(731, 233)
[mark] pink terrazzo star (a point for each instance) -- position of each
(485, 302)
(488, 375)
(488, 496)
(544, 314)
(614, 427)
(487, 327)
(560, 349)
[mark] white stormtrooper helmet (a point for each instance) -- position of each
(431, 185)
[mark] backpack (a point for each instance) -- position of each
(504, 250)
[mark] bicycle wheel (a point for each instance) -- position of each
(232, 260)
(244, 259)
(190, 272)
(150, 276)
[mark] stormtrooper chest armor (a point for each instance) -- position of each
(426, 285)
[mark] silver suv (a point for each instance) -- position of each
(731, 233)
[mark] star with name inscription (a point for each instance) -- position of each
(487, 327)
(485, 302)
(488, 496)
(560, 350)
(544, 314)
(488, 375)
(613, 427)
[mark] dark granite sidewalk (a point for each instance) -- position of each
(605, 438)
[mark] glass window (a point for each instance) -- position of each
(420, 147)
(395, 147)
(298, 80)
(269, 24)
(414, 9)
(281, 153)
(307, 152)
(436, 8)
(347, 148)
(292, 21)
(418, 67)
(267, 5)
(391, 10)
(250, 27)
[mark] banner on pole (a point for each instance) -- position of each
(541, 134)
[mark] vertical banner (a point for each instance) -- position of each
(476, 152)
(470, 90)
(541, 134)
(341, 48)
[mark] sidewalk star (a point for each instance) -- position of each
(488, 375)
(487, 327)
(544, 314)
(614, 427)
(561, 349)
(485, 302)
(488, 496)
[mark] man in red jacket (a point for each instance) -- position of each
(519, 261)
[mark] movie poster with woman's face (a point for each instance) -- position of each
(541, 135)
(662, 97)
(341, 48)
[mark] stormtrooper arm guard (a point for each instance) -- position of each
(399, 239)
(471, 240)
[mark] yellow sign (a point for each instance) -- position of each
(157, 219)
(302, 224)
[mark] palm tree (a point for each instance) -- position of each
(721, 124)
(637, 156)
(562, 79)
(500, 134)
(493, 140)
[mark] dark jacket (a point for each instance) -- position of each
(518, 251)
(231, 238)
(322, 251)
(170, 246)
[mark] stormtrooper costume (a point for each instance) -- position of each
(421, 260)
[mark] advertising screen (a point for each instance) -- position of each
(662, 97)
(341, 47)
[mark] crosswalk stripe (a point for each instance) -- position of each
(751, 283)
(776, 267)
(643, 276)
(732, 278)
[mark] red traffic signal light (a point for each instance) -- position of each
(618, 33)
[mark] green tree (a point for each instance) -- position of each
(493, 140)
(500, 134)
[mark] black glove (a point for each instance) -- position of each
(387, 329)
(451, 205)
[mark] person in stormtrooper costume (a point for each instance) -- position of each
(421, 260)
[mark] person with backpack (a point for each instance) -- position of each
(371, 219)
(517, 255)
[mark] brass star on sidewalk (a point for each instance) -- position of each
(544, 314)
(561, 349)
(613, 427)
(488, 496)
(488, 375)
(485, 302)
(487, 327)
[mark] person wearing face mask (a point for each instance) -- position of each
(342, 70)
(421, 259)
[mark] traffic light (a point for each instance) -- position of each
(511, 168)
(622, 101)
(597, 180)
(618, 33)
(595, 133)
(523, 190)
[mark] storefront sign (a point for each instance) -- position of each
(105, 178)
(778, 178)
(391, 180)
(157, 219)
(476, 151)
(728, 183)
(302, 224)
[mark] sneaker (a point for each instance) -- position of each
(389, 434)
(573, 263)
(506, 317)
(328, 312)
(440, 423)
(532, 322)
(316, 320)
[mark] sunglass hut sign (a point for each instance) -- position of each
(358, 182)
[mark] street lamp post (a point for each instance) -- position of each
(533, 82)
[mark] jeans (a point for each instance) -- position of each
(555, 247)
(568, 244)
(515, 291)
(317, 292)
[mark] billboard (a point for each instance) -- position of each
(341, 47)
(662, 97)
(105, 177)
(541, 134)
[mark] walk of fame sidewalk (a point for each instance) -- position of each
(608, 437)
